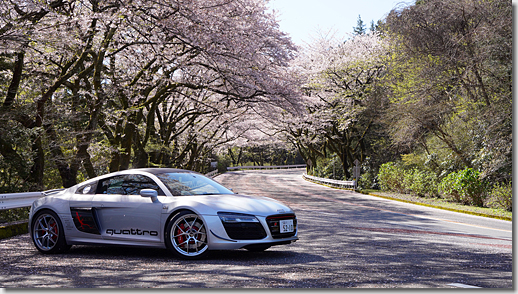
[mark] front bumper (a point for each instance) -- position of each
(220, 240)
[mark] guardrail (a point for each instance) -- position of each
(335, 183)
(265, 167)
(212, 174)
(20, 200)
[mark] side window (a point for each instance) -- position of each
(87, 189)
(127, 185)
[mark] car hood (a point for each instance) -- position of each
(239, 203)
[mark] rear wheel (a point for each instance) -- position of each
(186, 236)
(47, 233)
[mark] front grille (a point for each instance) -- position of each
(245, 231)
(273, 222)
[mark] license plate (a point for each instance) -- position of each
(286, 226)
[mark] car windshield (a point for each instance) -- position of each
(185, 184)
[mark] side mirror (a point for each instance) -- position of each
(149, 193)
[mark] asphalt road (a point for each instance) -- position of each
(347, 240)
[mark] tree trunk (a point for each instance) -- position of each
(126, 144)
(67, 172)
(36, 174)
(15, 81)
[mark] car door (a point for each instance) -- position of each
(82, 223)
(123, 214)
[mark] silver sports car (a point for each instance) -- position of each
(181, 210)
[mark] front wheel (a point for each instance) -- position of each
(186, 236)
(47, 233)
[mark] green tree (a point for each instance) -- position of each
(360, 27)
(451, 82)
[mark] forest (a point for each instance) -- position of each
(422, 99)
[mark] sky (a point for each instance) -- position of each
(307, 19)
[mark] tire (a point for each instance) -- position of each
(47, 233)
(186, 236)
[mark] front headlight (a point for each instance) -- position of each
(229, 217)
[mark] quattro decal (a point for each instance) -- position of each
(138, 232)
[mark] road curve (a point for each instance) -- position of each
(347, 240)
(397, 244)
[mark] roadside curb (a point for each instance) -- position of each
(13, 229)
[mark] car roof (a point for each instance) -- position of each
(151, 170)
(161, 170)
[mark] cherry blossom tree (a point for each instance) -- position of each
(134, 74)
(342, 98)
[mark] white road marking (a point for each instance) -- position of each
(459, 285)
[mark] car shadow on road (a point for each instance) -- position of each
(370, 259)
(274, 255)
